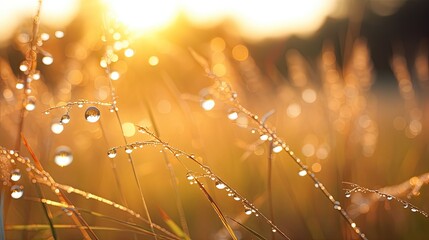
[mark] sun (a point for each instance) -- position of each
(144, 16)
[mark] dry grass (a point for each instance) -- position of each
(267, 154)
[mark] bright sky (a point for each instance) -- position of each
(255, 19)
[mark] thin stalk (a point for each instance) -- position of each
(130, 159)
(173, 176)
(2, 214)
(114, 170)
(48, 213)
(270, 187)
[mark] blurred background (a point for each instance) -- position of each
(344, 83)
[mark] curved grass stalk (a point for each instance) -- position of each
(226, 94)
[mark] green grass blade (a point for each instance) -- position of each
(248, 229)
(173, 226)
(217, 210)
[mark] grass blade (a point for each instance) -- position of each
(217, 210)
(173, 226)
(247, 228)
(2, 236)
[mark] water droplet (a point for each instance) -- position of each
(65, 119)
(414, 210)
(47, 112)
(16, 191)
(208, 103)
(248, 211)
(30, 103)
(19, 85)
(114, 75)
(264, 137)
(63, 156)
(80, 104)
(15, 175)
(316, 185)
(128, 149)
(277, 148)
(273, 230)
(353, 225)
(302, 173)
(57, 128)
(24, 66)
(92, 114)
(47, 60)
(190, 176)
(348, 194)
(236, 198)
(405, 205)
(337, 205)
(232, 114)
(389, 197)
(220, 185)
(111, 153)
(59, 34)
(36, 75)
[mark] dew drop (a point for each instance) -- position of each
(114, 75)
(264, 137)
(302, 173)
(208, 103)
(16, 191)
(30, 103)
(190, 176)
(65, 119)
(128, 149)
(277, 148)
(63, 156)
(15, 175)
(59, 34)
(248, 211)
(19, 85)
(36, 75)
(92, 114)
(232, 114)
(353, 225)
(57, 128)
(348, 194)
(389, 197)
(111, 153)
(405, 205)
(414, 210)
(24, 66)
(237, 198)
(47, 60)
(337, 205)
(220, 185)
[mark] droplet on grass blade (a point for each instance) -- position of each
(232, 114)
(92, 114)
(16, 191)
(63, 156)
(15, 175)
(220, 185)
(111, 153)
(30, 103)
(65, 119)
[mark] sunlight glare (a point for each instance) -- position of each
(258, 19)
(144, 16)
